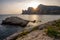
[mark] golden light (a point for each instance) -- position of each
(33, 4)
(33, 17)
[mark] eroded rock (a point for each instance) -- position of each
(15, 21)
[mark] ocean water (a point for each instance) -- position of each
(7, 30)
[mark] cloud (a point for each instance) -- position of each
(13, 5)
(13, 0)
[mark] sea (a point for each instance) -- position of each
(7, 30)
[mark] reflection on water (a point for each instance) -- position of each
(35, 20)
(40, 19)
(34, 17)
(43, 18)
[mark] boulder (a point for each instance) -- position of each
(15, 21)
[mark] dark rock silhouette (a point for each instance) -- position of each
(29, 11)
(43, 9)
(15, 21)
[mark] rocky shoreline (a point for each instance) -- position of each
(28, 33)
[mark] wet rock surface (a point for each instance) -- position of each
(15, 21)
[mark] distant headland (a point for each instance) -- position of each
(43, 10)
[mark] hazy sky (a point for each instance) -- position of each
(16, 6)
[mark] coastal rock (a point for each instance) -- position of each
(15, 21)
(34, 33)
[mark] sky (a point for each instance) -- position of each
(16, 6)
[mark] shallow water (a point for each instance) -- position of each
(7, 30)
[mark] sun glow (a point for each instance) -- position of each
(33, 4)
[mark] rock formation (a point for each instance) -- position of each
(43, 9)
(15, 21)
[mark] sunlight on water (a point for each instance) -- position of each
(34, 17)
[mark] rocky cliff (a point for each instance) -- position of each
(44, 10)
